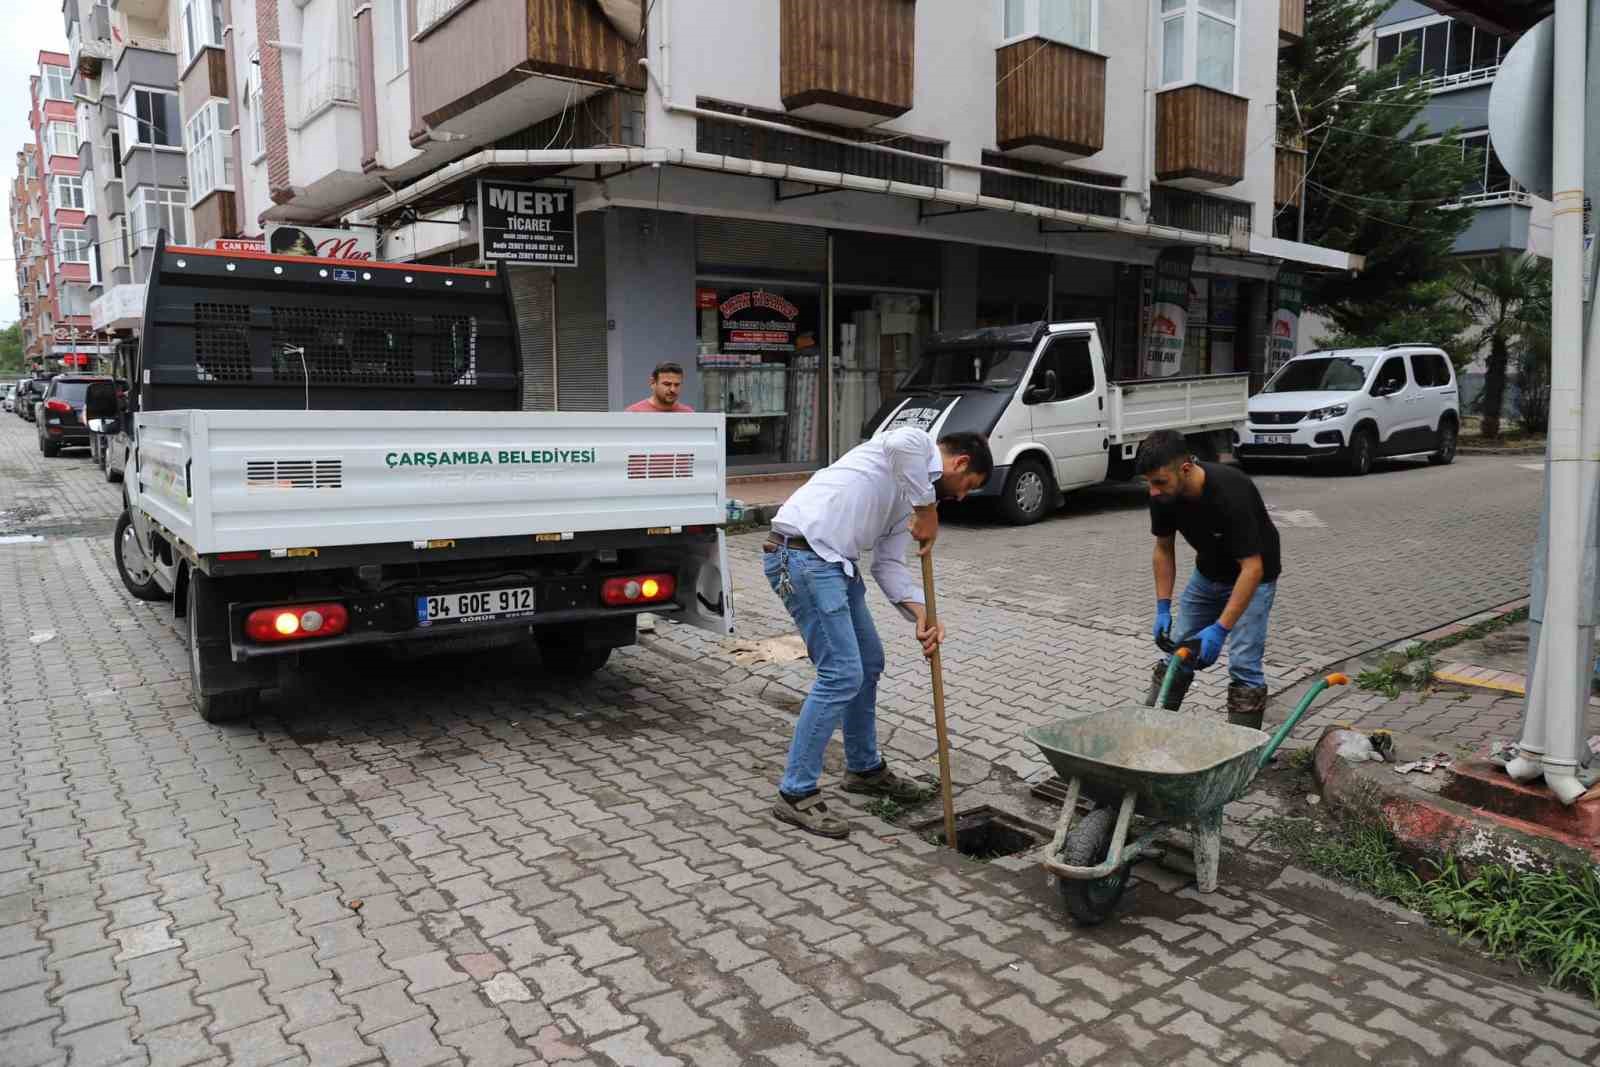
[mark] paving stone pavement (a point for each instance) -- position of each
(459, 860)
(1056, 616)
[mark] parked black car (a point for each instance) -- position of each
(60, 413)
(29, 392)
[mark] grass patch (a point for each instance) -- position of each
(1414, 668)
(886, 808)
(1301, 759)
(1423, 649)
(1544, 921)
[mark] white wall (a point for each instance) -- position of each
(393, 87)
(250, 186)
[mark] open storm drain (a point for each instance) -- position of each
(984, 833)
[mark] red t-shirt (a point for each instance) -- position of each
(648, 405)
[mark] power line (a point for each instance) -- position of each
(1381, 199)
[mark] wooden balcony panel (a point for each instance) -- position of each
(1288, 175)
(1291, 21)
(852, 63)
(1050, 100)
(215, 217)
(1200, 137)
(573, 39)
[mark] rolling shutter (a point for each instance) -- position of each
(533, 296)
(724, 245)
(581, 362)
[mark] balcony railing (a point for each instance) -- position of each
(1444, 83)
(334, 81)
(1198, 212)
(1516, 195)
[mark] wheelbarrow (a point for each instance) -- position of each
(1171, 769)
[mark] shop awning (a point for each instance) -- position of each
(491, 160)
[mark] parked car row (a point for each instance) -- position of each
(55, 406)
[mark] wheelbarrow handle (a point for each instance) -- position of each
(1182, 656)
(1299, 713)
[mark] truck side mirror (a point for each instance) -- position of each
(100, 400)
(1040, 394)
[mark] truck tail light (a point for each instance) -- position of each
(57, 405)
(296, 622)
(638, 589)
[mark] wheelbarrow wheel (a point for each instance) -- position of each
(1091, 902)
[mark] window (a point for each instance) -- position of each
(116, 155)
(1444, 53)
(162, 209)
(1068, 21)
(1489, 178)
(201, 26)
(1391, 377)
(256, 106)
(210, 162)
(402, 40)
(72, 246)
(432, 11)
(156, 122)
(63, 139)
(1200, 43)
(1069, 359)
(57, 82)
(1429, 370)
(121, 247)
(67, 192)
(94, 266)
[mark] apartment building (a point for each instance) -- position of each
(851, 177)
(50, 204)
(1457, 61)
(35, 313)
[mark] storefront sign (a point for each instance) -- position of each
(322, 243)
(1169, 314)
(240, 244)
(705, 299)
(532, 224)
(1284, 335)
(758, 321)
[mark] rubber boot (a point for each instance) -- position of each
(1175, 695)
(1247, 705)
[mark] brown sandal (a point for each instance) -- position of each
(811, 815)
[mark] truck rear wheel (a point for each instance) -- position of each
(1028, 494)
(133, 565)
(568, 656)
(204, 610)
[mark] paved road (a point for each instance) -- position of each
(1057, 615)
(466, 862)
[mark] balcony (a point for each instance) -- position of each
(849, 64)
(1288, 176)
(1291, 21)
(1050, 100)
(476, 67)
(1200, 137)
(86, 55)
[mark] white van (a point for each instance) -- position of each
(1353, 406)
(1055, 420)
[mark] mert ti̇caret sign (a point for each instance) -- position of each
(535, 225)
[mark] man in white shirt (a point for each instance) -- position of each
(877, 498)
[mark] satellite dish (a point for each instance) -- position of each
(1521, 109)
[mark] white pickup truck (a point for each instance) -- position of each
(1055, 419)
(321, 456)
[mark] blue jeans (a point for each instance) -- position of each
(1202, 604)
(830, 608)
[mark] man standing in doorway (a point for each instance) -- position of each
(1220, 513)
(666, 382)
(877, 498)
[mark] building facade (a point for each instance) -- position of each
(785, 196)
(35, 311)
(1457, 63)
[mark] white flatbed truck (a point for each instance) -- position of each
(320, 457)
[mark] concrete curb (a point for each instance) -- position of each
(1429, 826)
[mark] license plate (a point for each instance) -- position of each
(1274, 438)
(484, 605)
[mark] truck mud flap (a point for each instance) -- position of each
(707, 587)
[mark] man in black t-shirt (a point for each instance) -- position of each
(1220, 513)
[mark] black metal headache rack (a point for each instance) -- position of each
(254, 330)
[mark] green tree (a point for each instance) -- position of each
(1374, 187)
(11, 351)
(1505, 293)
(1428, 312)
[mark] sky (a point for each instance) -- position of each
(26, 26)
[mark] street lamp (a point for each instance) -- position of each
(155, 164)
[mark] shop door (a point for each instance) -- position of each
(1068, 419)
(877, 339)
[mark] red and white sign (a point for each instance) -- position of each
(322, 243)
(241, 244)
(705, 299)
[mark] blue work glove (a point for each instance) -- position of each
(1211, 639)
(1163, 624)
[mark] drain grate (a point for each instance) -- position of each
(985, 833)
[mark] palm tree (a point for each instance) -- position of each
(1502, 292)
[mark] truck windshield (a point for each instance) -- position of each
(1322, 374)
(969, 368)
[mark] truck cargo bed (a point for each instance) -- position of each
(233, 481)
(1137, 409)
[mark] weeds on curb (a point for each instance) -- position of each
(1414, 668)
(1545, 921)
(886, 808)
